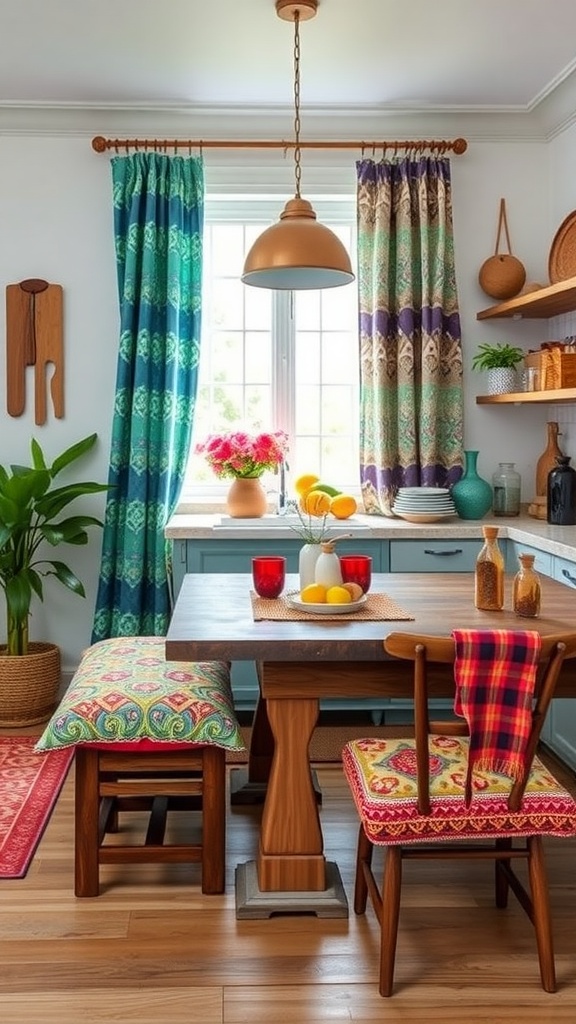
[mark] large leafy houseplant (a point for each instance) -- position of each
(30, 516)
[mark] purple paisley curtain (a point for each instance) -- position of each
(411, 398)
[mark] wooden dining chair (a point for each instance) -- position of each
(410, 794)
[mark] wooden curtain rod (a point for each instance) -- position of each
(457, 146)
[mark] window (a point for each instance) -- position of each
(276, 360)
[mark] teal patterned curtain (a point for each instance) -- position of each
(158, 221)
(411, 412)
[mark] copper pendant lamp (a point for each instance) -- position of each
(297, 253)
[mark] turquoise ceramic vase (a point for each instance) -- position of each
(471, 494)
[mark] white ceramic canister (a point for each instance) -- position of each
(327, 571)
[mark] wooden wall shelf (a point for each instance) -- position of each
(523, 397)
(544, 303)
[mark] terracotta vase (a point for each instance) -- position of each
(547, 460)
(246, 498)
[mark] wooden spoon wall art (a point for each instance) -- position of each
(34, 337)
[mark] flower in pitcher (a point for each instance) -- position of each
(243, 455)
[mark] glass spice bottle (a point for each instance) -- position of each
(526, 589)
(489, 574)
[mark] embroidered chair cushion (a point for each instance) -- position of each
(382, 776)
(125, 692)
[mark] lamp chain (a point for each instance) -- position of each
(297, 151)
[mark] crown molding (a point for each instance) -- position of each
(547, 116)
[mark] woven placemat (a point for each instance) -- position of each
(378, 606)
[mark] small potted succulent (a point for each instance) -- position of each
(500, 362)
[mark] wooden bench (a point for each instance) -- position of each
(150, 736)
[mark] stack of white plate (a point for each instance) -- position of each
(423, 504)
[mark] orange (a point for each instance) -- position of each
(343, 506)
(305, 482)
(338, 595)
(314, 593)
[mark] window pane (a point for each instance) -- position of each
(307, 307)
(258, 309)
(227, 356)
(258, 358)
(227, 248)
(227, 306)
(308, 411)
(339, 308)
(339, 359)
(308, 369)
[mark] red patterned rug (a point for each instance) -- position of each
(29, 787)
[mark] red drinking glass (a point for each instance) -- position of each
(357, 569)
(268, 575)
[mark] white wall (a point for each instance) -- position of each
(562, 201)
(56, 224)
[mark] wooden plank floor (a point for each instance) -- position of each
(151, 949)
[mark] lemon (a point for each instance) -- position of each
(338, 595)
(343, 505)
(305, 482)
(314, 593)
(315, 503)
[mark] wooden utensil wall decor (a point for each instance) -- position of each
(34, 337)
(502, 275)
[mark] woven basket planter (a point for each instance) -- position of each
(29, 685)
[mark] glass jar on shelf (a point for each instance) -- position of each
(526, 589)
(506, 484)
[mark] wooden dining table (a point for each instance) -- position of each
(300, 662)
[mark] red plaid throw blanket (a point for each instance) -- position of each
(495, 674)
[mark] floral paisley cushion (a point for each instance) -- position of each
(125, 691)
(381, 774)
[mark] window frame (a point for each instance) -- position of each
(336, 209)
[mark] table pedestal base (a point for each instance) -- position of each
(244, 791)
(252, 903)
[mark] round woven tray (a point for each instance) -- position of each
(562, 258)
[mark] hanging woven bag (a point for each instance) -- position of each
(502, 275)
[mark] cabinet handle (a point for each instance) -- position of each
(455, 551)
(572, 579)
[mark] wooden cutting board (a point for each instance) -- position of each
(34, 337)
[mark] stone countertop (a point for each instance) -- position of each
(558, 540)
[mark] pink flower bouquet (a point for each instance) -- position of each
(243, 455)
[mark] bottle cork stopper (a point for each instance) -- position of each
(490, 532)
(327, 547)
(527, 560)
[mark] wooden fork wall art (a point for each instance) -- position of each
(34, 337)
